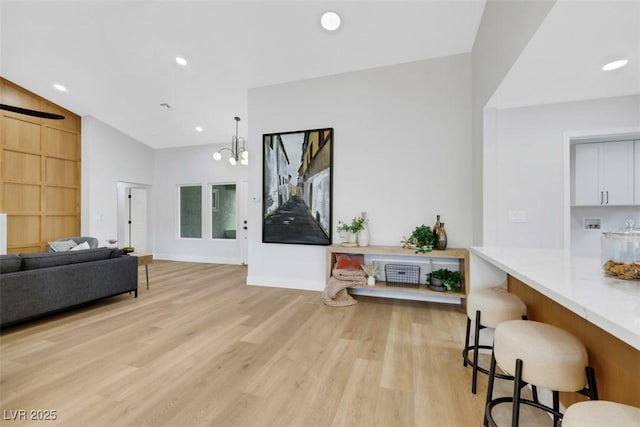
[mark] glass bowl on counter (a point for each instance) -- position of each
(621, 252)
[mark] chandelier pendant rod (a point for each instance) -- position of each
(235, 141)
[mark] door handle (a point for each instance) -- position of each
(607, 197)
(602, 197)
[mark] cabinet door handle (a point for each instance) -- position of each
(602, 197)
(607, 197)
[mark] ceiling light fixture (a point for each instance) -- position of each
(615, 65)
(238, 154)
(199, 128)
(181, 61)
(60, 87)
(330, 21)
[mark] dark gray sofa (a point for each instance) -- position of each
(32, 285)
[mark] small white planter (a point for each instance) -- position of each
(363, 237)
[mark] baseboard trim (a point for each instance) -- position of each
(189, 258)
(272, 282)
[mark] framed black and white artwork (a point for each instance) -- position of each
(297, 187)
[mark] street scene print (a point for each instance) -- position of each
(297, 187)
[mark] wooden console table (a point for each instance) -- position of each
(419, 294)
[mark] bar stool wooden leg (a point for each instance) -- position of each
(492, 372)
(466, 343)
(592, 389)
(476, 350)
(556, 406)
(517, 389)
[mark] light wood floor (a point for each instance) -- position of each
(200, 347)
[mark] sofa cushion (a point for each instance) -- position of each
(10, 263)
(82, 246)
(116, 252)
(62, 245)
(52, 259)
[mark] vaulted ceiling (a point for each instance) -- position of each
(117, 58)
(564, 59)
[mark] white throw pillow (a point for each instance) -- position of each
(63, 245)
(81, 246)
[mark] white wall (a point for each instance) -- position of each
(402, 153)
(525, 168)
(588, 242)
(3, 233)
(505, 30)
(194, 166)
(109, 156)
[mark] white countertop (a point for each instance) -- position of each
(577, 283)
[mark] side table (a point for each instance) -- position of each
(144, 259)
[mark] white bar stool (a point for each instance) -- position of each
(541, 355)
(489, 307)
(598, 413)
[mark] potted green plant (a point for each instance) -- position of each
(370, 269)
(445, 279)
(352, 229)
(421, 239)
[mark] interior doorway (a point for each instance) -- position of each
(133, 218)
(584, 222)
(244, 234)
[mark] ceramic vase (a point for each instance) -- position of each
(371, 280)
(363, 237)
(352, 237)
(441, 237)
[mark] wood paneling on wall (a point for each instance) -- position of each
(39, 171)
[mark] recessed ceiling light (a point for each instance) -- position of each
(615, 65)
(60, 87)
(199, 128)
(330, 21)
(181, 61)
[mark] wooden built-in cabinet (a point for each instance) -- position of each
(419, 294)
(39, 171)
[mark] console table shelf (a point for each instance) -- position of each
(420, 294)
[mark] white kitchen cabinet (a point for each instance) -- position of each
(604, 173)
(587, 175)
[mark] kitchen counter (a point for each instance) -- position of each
(577, 283)
(574, 294)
